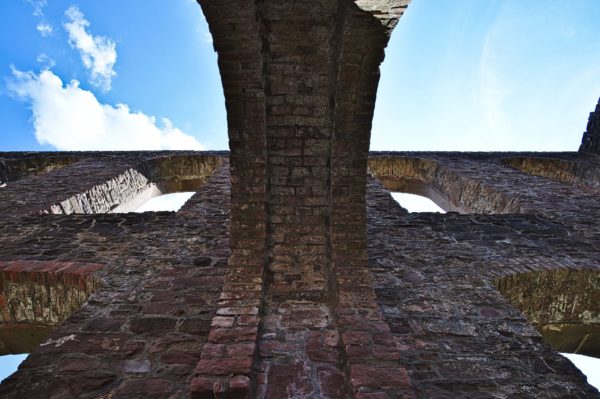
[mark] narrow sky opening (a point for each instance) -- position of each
(9, 364)
(588, 366)
(416, 203)
(167, 202)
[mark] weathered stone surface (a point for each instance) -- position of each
(159, 318)
(157, 279)
(435, 277)
(36, 296)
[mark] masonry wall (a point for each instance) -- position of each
(448, 288)
(141, 332)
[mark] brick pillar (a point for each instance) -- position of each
(300, 80)
(227, 357)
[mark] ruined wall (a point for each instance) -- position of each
(590, 143)
(447, 283)
(141, 332)
(452, 291)
(36, 296)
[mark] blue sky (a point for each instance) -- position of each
(165, 68)
(458, 75)
(490, 75)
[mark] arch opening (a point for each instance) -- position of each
(36, 297)
(581, 173)
(415, 203)
(416, 196)
(181, 174)
(21, 168)
(166, 202)
(563, 305)
(128, 190)
(415, 176)
(172, 180)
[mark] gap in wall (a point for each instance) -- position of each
(166, 202)
(416, 203)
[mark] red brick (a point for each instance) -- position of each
(243, 349)
(202, 388)
(210, 350)
(236, 334)
(332, 382)
(222, 321)
(224, 366)
(317, 351)
(240, 387)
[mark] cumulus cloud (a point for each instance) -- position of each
(44, 29)
(98, 53)
(38, 7)
(70, 118)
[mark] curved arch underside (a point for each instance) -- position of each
(36, 296)
(563, 305)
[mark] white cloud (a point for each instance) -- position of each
(44, 29)
(98, 53)
(46, 61)
(38, 7)
(70, 118)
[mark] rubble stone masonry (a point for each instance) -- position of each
(468, 304)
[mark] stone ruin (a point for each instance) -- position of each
(292, 273)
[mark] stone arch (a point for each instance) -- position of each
(582, 173)
(176, 173)
(12, 169)
(413, 176)
(134, 185)
(37, 296)
(563, 305)
(434, 178)
(171, 174)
